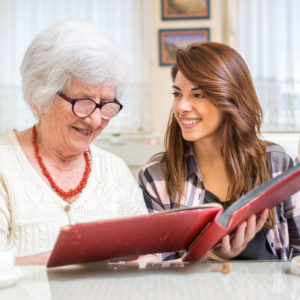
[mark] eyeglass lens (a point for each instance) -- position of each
(83, 108)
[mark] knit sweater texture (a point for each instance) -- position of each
(31, 213)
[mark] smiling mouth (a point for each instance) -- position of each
(190, 121)
(83, 131)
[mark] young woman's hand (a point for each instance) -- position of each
(245, 232)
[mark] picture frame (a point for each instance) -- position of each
(171, 39)
(185, 9)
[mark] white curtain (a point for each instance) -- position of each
(128, 22)
(266, 33)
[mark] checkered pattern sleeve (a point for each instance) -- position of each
(285, 237)
(152, 182)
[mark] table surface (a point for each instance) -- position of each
(247, 280)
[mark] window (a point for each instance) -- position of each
(266, 35)
(127, 22)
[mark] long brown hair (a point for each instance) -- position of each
(223, 76)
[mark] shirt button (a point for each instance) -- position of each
(67, 208)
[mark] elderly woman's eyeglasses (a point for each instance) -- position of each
(83, 107)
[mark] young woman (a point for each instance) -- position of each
(214, 153)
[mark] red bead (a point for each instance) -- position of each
(57, 189)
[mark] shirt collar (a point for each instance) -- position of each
(191, 162)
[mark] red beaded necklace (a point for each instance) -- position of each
(57, 189)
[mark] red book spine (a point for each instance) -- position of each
(205, 241)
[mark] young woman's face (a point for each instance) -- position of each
(197, 117)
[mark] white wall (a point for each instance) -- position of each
(162, 99)
(136, 153)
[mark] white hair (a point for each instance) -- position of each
(70, 49)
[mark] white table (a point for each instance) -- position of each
(247, 280)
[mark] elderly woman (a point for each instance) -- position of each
(50, 174)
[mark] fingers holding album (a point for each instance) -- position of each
(261, 219)
(232, 245)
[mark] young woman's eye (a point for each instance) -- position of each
(199, 96)
(176, 94)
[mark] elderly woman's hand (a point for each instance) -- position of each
(35, 259)
(245, 232)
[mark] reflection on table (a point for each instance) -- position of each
(247, 280)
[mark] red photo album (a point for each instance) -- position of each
(195, 230)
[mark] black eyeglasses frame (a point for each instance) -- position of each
(97, 105)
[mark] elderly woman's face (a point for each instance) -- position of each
(73, 134)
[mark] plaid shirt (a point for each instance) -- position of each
(284, 239)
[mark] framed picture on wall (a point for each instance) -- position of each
(185, 9)
(171, 39)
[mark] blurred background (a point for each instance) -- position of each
(263, 31)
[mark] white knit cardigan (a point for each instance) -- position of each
(31, 213)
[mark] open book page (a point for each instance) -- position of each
(267, 195)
